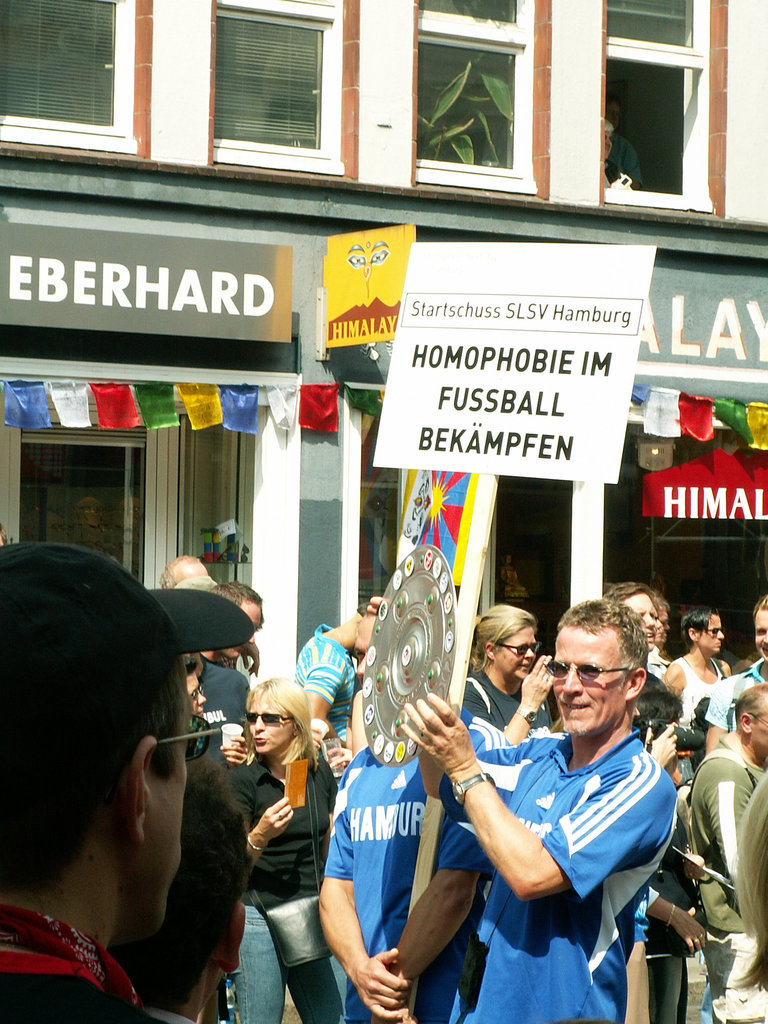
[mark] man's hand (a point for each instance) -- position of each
(380, 985)
(440, 732)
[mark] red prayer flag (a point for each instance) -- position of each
(696, 417)
(115, 407)
(319, 407)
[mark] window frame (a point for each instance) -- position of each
(327, 15)
(462, 31)
(117, 138)
(693, 60)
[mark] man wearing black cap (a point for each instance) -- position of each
(93, 766)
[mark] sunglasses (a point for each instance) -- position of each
(197, 739)
(191, 665)
(589, 675)
(268, 718)
(521, 649)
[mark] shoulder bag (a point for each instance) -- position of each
(295, 924)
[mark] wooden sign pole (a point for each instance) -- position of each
(466, 610)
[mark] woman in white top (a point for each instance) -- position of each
(693, 676)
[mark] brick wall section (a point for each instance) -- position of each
(142, 82)
(350, 88)
(212, 90)
(542, 86)
(718, 82)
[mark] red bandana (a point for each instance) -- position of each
(59, 949)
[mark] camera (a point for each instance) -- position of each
(687, 739)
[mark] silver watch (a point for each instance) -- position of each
(530, 717)
(460, 788)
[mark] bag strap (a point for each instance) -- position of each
(315, 841)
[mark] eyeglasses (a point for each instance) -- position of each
(197, 738)
(521, 649)
(198, 692)
(268, 718)
(589, 675)
(717, 631)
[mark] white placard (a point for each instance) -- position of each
(515, 358)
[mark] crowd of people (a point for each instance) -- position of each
(599, 814)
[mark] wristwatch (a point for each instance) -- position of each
(530, 717)
(460, 788)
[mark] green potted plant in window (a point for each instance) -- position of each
(459, 122)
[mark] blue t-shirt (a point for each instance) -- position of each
(374, 843)
(326, 668)
(606, 825)
(727, 691)
(225, 695)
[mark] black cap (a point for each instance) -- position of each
(75, 625)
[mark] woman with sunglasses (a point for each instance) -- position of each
(289, 846)
(508, 686)
(693, 676)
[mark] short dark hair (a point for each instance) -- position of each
(212, 876)
(239, 592)
(697, 617)
(658, 704)
(595, 616)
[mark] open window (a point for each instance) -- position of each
(475, 94)
(657, 68)
(278, 84)
(67, 73)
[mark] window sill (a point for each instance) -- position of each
(659, 200)
(68, 138)
(474, 177)
(276, 159)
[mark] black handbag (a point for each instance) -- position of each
(295, 924)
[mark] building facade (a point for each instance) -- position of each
(210, 149)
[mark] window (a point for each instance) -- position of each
(278, 84)
(66, 73)
(475, 87)
(657, 72)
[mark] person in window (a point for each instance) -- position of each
(508, 686)
(623, 154)
(693, 676)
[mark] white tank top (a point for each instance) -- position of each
(695, 688)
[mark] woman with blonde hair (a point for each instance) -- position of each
(289, 846)
(505, 687)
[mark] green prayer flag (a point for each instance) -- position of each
(157, 405)
(734, 413)
(365, 400)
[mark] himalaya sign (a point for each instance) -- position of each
(126, 282)
(714, 486)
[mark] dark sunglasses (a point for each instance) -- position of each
(521, 649)
(197, 739)
(268, 718)
(589, 675)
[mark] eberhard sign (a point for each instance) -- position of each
(121, 281)
(516, 359)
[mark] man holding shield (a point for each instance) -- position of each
(574, 825)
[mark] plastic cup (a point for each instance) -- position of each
(228, 731)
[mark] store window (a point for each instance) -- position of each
(475, 93)
(657, 83)
(278, 84)
(66, 73)
(380, 500)
(85, 490)
(721, 562)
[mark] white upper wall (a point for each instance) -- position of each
(746, 197)
(386, 91)
(576, 111)
(181, 80)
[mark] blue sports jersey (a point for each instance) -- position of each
(326, 668)
(377, 825)
(606, 825)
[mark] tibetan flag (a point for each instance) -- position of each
(157, 405)
(364, 399)
(696, 417)
(733, 413)
(240, 407)
(202, 404)
(438, 510)
(115, 407)
(319, 407)
(26, 405)
(661, 413)
(282, 403)
(757, 418)
(70, 399)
